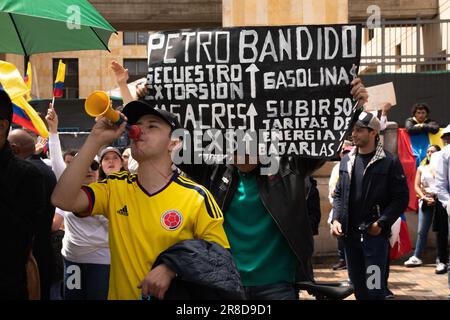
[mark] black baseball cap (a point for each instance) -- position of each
(136, 109)
(6, 108)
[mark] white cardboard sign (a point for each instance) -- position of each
(380, 94)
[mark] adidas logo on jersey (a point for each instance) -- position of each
(123, 211)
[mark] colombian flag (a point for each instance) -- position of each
(59, 81)
(412, 150)
(399, 240)
(23, 114)
(28, 80)
(21, 118)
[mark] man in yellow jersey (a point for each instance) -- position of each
(148, 212)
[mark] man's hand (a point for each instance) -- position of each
(120, 73)
(386, 108)
(104, 131)
(52, 120)
(336, 229)
(359, 92)
(429, 200)
(374, 229)
(40, 145)
(141, 90)
(157, 282)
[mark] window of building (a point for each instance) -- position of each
(71, 81)
(369, 34)
(137, 68)
(142, 38)
(398, 56)
(135, 38)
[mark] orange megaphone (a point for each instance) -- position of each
(99, 104)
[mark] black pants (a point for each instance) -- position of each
(367, 265)
(440, 226)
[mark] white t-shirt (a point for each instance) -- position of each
(85, 239)
(427, 180)
(434, 160)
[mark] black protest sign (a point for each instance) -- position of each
(284, 90)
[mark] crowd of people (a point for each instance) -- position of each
(138, 227)
(432, 188)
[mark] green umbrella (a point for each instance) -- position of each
(36, 26)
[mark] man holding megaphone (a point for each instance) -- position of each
(148, 212)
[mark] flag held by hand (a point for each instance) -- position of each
(59, 81)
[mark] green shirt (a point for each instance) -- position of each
(260, 251)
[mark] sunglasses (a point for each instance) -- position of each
(94, 165)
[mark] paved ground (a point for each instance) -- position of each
(420, 283)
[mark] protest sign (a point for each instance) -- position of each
(379, 95)
(277, 90)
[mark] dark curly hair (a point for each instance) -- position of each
(420, 106)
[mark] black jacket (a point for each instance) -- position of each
(205, 271)
(42, 246)
(22, 203)
(313, 204)
(282, 194)
(429, 126)
(386, 193)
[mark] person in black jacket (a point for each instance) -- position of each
(266, 219)
(22, 205)
(370, 195)
(419, 122)
(23, 146)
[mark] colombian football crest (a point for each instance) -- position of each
(171, 220)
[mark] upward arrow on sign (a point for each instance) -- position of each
(252, 114)
(250, 148)
(252, 69)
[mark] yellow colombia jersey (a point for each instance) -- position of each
(142, 225)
